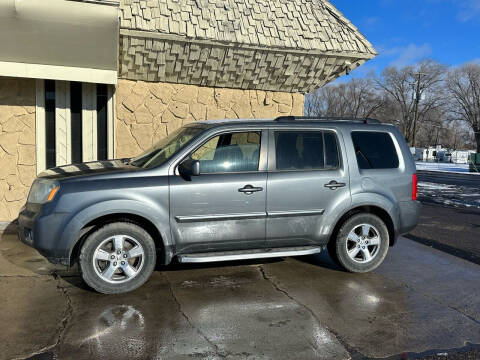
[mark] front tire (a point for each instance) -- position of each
(361, 244)
(117, 258)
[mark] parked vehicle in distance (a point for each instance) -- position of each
(226, 190)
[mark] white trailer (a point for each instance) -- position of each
(461, 156)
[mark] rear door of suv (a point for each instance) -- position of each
(307, 185)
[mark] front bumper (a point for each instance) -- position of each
(42, 232)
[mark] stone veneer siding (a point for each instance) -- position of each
(17, 144)
(148, 111)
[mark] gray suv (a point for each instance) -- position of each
(229, 190)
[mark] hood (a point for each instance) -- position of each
(87, 169)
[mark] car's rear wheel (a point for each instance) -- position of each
(117, 258)
(361, 243)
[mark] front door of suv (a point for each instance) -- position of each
(307, 184)
(224, 207)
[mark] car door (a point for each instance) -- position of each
(224, 207)
(307, 186)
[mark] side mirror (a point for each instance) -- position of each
(189, 168)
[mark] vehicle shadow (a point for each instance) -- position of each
(322, 259)
(11, 228)
(28, 259)
(177, 266)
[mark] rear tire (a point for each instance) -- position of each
(117, 258)
(361, 244)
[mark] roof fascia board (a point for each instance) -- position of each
(55, 72)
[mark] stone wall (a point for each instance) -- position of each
(147, 111)
(17, 144)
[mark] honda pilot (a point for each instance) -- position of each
(229, 190)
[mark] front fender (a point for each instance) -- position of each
(156, 215)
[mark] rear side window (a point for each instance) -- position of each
(374, 150)
(331, 150)
(304, 150)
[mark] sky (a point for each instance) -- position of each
(406, 31)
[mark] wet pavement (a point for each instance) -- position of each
(420, 300)
(450, 229)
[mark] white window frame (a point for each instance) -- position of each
(63, 123)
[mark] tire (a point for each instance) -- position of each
(350, 247)
(134, 259)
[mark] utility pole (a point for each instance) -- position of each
(455, 141)
(418, 94)
(436, 141)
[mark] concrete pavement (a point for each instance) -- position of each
(294, 308)
(450, 229)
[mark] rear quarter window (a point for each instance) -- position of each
(374, 150)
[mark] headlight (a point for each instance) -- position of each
(42, 191)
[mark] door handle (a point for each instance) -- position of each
(334, 185)
(249, 189)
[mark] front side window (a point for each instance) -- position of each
(231, 152)
(305, 150)
(374, 150)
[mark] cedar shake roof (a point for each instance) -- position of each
(283, 45)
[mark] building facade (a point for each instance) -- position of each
(91, 80)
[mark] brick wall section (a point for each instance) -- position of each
(17, 144)
(146, 112)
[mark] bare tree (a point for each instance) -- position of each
(430, 125)
(415, 98)
(413, 93)
(356, 98)
(463, 84)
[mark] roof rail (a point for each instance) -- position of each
(326, 119)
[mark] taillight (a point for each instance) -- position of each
(414, 187)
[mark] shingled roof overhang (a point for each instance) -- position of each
(278, 45)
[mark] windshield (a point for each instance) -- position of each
(166, 147)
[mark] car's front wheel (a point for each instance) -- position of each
(361, 243)
(117, 258)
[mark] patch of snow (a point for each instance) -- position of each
(433, 186)
(450, 195)
(447, 167)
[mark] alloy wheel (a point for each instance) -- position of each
(118, 259)
(363, 243)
